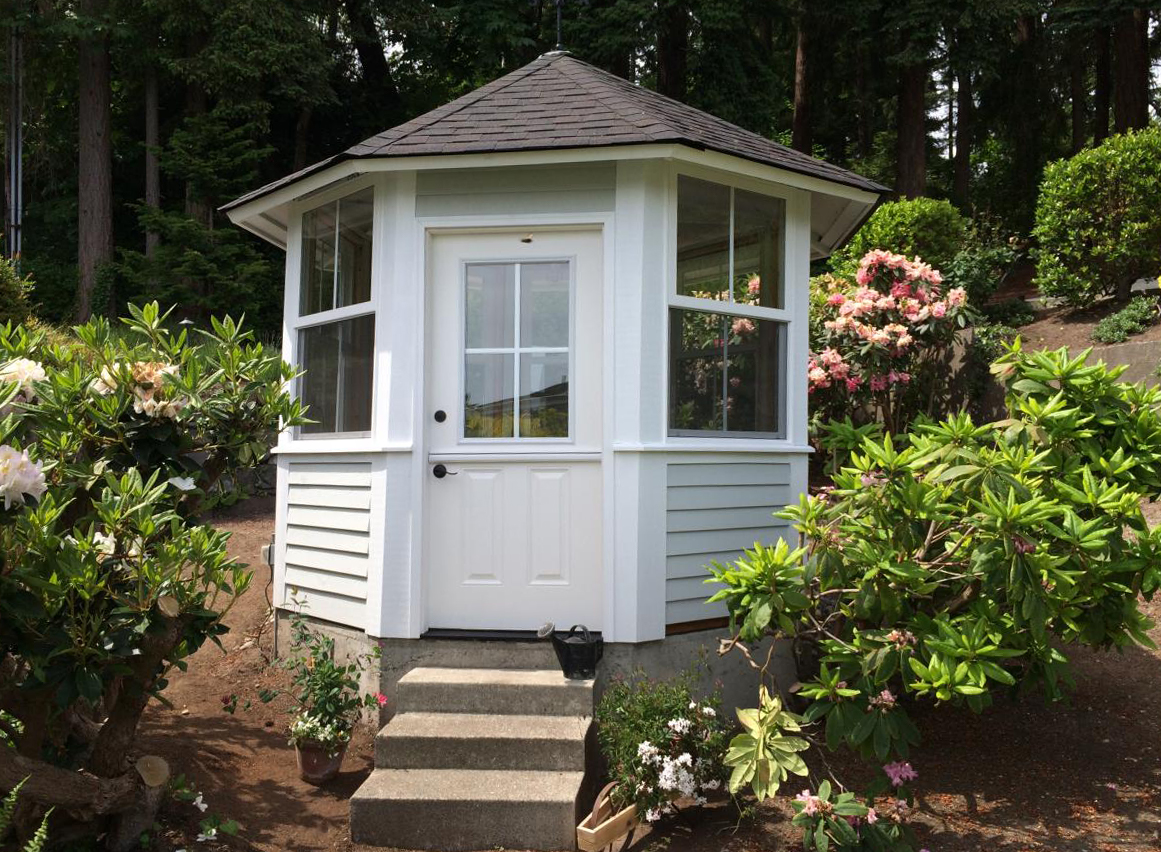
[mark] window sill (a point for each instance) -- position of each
(337, 446)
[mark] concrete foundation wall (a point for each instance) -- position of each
(661, 659)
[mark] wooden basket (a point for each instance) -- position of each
(602, 827)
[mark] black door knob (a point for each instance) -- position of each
(439, 471)
(440, 416)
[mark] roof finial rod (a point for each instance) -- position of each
(559, 39)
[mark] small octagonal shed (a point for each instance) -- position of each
(554, 336)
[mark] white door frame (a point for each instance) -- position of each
(428, 227)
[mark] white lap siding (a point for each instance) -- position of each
(718, 505)
(328, 543)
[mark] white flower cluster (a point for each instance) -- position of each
(679, 726)
(20, 476)
(23, 371)
(310, 728)
(148, 378)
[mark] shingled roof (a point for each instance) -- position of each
(558, 102)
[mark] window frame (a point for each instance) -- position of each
(516, 350)
(784, 316)
(295, 322)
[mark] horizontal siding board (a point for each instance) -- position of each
(696, 564)
(717, 541)
(354, 565)
(346, 542)
(691, 520)
(329, 496)
(722, 497)
(736, 473)
(677, 612)
(357, 474)
(330, 607)
(351, 520)
(690, 589)
(556, 178)
(324, 581)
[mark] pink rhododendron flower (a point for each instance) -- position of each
(878, 383)
(853, 384)
(754, 287)
(742, 326)
(835, 299)
(810, 804)
(884, 701)
(900, 772)
(872, 817)
(938, 309)
(956, 297)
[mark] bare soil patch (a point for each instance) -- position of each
(1056, 327)
(1027, 776)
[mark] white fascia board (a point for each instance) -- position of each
(269, 207)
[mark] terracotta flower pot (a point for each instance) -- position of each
(318, 764)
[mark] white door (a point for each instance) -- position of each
(513, 486)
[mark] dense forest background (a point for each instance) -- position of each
(142, 116)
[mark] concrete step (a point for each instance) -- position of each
(478, 741)
(491, 691)
(452, 809)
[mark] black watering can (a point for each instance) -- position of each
(578, 650)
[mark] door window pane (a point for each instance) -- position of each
(490, 305)
(725, 373)
(758, 242)
(336, 254)
(544, 395)
(703, 239)
(488, 395)
(544, 296)
(338, 360)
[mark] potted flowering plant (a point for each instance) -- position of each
(329, 701)
(662, 745)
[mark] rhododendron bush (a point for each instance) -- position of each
(880, 342)
(957, 561)
(112, 446)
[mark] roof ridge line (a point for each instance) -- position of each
(480, 95)
(614, 105)
(682, 104)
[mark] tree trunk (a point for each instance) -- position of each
(866, 135)
(911, 142)
(1131, 71)
(376, 72)
(672, 48)
(962, 166)
(302, 138)
(152, 163)
(800, 133)
(1103, 88)
(94, 160)
(1078, 93)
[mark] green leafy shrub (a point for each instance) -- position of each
(1097, 219)
(14, 294)
(1013, 312)
(1134, 318)
(961, 559)
(842, 822)
(979, 269)
(934, 230)
(112, 446)
(660, 742)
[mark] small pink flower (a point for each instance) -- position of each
(742, 326)
(939, 309)
(381, 698)
(878, 383)
(956, 297)
(900, 772)
(835, 299)
(853, 384)
(755, 286)
(872, 817)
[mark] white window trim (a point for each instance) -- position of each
(516, 350)
(785, 316)
(294, 322)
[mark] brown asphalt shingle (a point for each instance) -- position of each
(557, 101)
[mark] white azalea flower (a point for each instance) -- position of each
(182, 483)
(22, 371)
(105, 543)
(20, 476)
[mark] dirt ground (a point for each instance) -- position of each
(1056, 327)
(1084, 776)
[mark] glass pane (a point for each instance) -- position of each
(758, 223)
(696, 376)
(318, 260)
(491, 305)
(544, 304)
(703, 237)
(354, 285)
(725, 373)
(544, 395)
(339, 362)
(752, 376)
(488, 403)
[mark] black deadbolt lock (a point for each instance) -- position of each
(440, 416)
